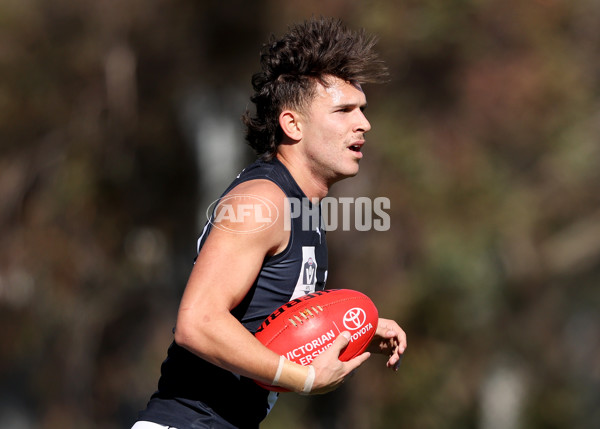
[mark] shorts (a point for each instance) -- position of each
(149, 425)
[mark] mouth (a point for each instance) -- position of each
(356, 147)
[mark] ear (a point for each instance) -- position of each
(289, 121)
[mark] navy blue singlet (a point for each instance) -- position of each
(191, 390)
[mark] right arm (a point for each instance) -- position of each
(224, 272)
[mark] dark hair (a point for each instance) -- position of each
(291, 67)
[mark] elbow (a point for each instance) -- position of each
(186, 336)
(193, 336)
(198, 334)
(179, 336)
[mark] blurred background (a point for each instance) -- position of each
(119, 124)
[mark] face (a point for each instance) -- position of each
(333, 129)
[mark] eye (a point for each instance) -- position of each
(345, 109)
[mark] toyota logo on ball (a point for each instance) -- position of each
(355, 318)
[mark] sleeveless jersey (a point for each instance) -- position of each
(191, 388)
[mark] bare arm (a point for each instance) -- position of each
(223, 274)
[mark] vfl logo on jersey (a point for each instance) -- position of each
(307, 277)
(310, 272)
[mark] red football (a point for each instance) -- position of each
(304, 327)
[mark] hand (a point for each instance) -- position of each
(389, 339)
(330, 372)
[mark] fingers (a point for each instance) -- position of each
(341, 342)
(357, 361)
(396, 365)
(394, 360)
(395, 342)
(330, 372)
(390, 330)
(402, 342)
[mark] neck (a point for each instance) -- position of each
(312, 186)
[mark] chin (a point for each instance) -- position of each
(347, 174)
(353, 171)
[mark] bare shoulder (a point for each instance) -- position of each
(260, 187)
(253, 210)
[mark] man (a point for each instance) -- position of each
(308, 131)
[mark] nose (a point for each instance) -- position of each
(362, 125)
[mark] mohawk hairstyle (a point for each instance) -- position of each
(291, 67)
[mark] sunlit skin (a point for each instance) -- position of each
(323, 143)
(321, 146)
